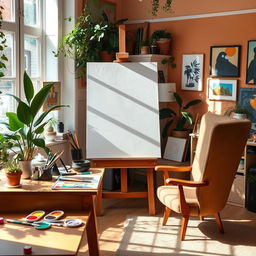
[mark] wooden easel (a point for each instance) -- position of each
(124, 164)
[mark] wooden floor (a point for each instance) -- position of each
(115, 212)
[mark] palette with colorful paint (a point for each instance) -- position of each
(54, 215)
(35, 216)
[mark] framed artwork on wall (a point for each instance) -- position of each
(192, 72)
(247, 99)
(251, 62)
(220, 89)
(54, 97)
(225, 61)
(97, 7)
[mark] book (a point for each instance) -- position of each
(77, 182)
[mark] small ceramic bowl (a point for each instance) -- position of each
(81, 165)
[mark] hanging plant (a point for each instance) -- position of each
(155, 6)
(3, 45)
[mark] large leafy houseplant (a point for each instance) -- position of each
(87, 39)
(182, 117)
(25, 126)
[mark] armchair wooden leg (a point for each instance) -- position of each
(184, 225)
(219, 223)
(167, 213)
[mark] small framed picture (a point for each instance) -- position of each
(192, 72)
(161, 78)
(225, 61)
(54, 97)
(251, 62)
(175, 149)
(222, 89)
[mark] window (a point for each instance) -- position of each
(26, 37)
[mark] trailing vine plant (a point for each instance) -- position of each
(166, 7)
(3, 45)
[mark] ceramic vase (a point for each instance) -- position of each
(164, 46)
(26, 169)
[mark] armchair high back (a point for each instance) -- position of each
(220, 145)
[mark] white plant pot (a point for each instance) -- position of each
(26, 168)
(239, 116)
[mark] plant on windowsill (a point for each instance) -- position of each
(25, 127)
(182, 117)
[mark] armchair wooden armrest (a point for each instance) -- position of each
(173, 168)
(187, 183)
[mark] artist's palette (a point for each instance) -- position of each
(35, 216)
(54, 215)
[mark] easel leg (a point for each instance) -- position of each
(124, 182)
(151, 192)
(92, 231)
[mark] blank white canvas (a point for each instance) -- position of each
(122, 110)
(175, 148)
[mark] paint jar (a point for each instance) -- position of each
(76, 154)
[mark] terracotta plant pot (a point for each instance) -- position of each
(180, 134)
(144, 50)
(106, 57)
(164, 46)
(13, 178)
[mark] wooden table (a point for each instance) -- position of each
(17, 203)
(148, 164)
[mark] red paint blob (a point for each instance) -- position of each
(31, 217)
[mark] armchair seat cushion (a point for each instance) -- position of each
(169, 196)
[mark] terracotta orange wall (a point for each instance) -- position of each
(135, 9)
(197, 35)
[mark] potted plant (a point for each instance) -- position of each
(155, 6)
(182, 117)
(163, 38)
(13, 173)
(237, 112)
(26, 127)
(145, 47)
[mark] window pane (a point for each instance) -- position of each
(31, 56)
(8, 51)
(7, 103)
(31, 12)
(8, 9)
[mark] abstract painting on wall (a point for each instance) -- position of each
(225, 61)
(192, 72)
(220, 89)
(251, 62)
(247, 99)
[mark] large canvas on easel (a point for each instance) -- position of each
(122, 111)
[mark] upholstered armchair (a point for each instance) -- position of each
(220, 145)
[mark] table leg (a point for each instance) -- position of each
(92, 230)
(124, 181)
(99, 200)
(151, 192)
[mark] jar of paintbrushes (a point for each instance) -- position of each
(76, 151)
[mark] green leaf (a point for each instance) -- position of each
(178, 99)
(40, 129)
(166, 112)
(3, 57)
(14, 123)
(187, 116)
(42, 116)
(166, 128)
(28, 87)
(24, 113)
(40, 98)
(15, 97)
(39, 142)
(191, 103)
